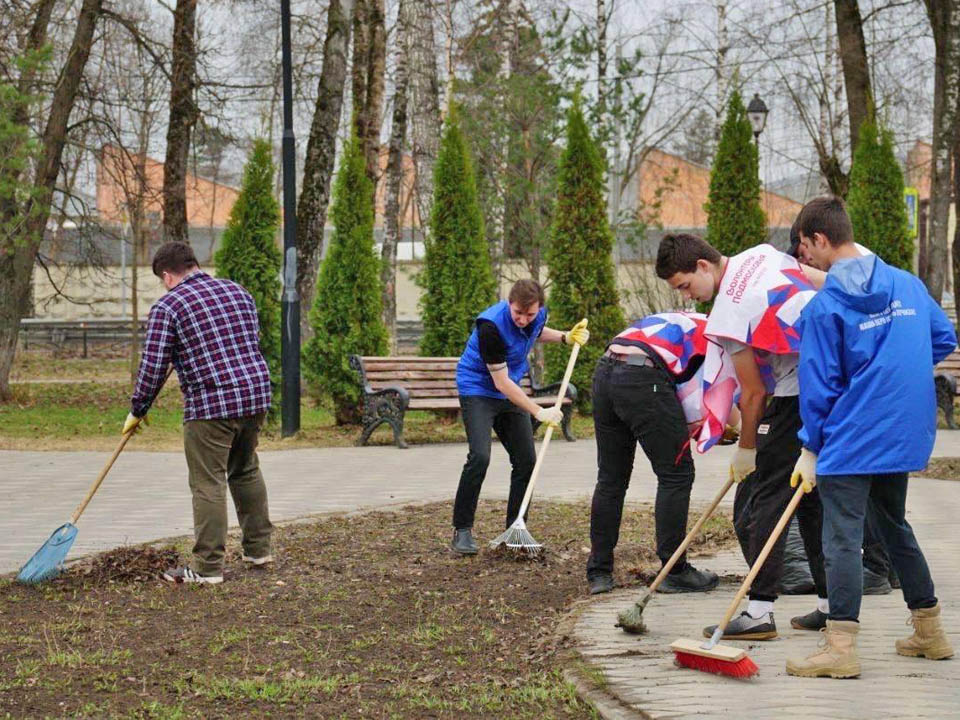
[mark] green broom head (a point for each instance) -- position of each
(631, 619)
(47, 562)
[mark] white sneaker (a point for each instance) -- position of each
(265, 560)
(186, 575)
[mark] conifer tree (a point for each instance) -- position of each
(456, 277)
(249, 254)
(347, 311)
(735, 218)
(875, 200)
(582, 276)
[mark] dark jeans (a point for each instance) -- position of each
(222, 454)
(515, 432)
(778, 449)
(844, 506)
(630, 405)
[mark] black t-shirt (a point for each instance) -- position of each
(493, 349)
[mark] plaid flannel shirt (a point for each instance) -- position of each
(208, 329)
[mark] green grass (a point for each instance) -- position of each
(90, 415)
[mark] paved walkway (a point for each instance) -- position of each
(146, 497)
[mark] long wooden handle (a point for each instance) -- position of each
(113, 458)
(549, 432)
(762, 557)
(103, 473)
(665, 570)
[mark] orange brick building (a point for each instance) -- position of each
(685, 187)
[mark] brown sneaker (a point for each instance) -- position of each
(928, 639)
(836, 656)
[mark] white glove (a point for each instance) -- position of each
(805, 471)
(550, 416)
(743, 463)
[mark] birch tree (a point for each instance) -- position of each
(398, 133)
(424, 104)
(944, 18)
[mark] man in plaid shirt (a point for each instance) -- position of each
(208, 329)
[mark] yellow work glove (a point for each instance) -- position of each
(551, 416)
(132, 423)
(577, 334)
(743, 463)
(805, 471)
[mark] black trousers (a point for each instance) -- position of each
(778, 449)
(515, 432)
(630, 405)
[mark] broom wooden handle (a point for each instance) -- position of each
(762, 557)
(106, 468)
(549, 432)
(665, 570)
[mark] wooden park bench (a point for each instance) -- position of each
(945, 377)
(393, 385)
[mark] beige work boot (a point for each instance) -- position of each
(836, 656)
(928, 639)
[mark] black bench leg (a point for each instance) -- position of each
(383, 410)
(397, 424)
(565, 425)
(948, 413)
(368, 429)
(946, 388)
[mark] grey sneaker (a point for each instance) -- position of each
(463, 543)
(600, 584)
(689, 580)
(745, 627)
(257, 561)
(875, 583)
(815, 620)
(186, 575)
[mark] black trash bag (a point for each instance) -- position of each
(796, 578)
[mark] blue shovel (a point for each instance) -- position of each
(47, 562)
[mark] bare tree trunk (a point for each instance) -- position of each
(956, 229)
(723, 45)
(321, 153)
(183, 115)
(448, 89)
(856, 71)
(602, 65)
(425, 108)
(498, 237)
(944, 18)
(18, 254)
(388, 253)
(376, 69)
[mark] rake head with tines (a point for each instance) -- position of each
(517, 537)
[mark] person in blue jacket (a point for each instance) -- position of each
(488, 383)
(870, 340)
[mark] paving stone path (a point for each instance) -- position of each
(145, 497)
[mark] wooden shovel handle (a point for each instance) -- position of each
(762, 557)
(549, 431)
(690, 536)
(106, 468)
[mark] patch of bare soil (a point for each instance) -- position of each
(361, 616)
(942, 468)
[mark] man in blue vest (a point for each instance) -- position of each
(488, 382)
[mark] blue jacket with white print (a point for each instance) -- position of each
(869, 341)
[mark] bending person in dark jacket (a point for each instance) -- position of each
(488, 383)
(870, 339)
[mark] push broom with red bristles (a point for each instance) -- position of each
(725, 659)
